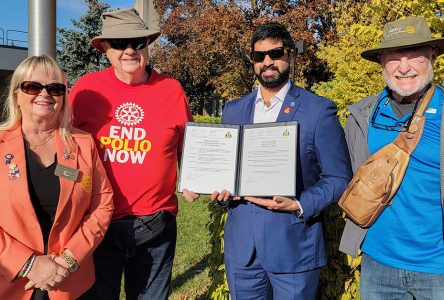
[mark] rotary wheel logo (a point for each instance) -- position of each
(129, 114)
(410, 29)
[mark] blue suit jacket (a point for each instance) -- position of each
(283, 242)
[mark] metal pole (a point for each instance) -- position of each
(299, 48)
(149, 15)
(42, 27)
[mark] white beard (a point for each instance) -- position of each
(425, 80)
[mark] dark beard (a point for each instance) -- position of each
(272, 81)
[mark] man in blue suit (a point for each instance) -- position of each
(274, 247)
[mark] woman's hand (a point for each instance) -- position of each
(46, 273)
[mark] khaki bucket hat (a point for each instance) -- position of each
(405, 33)
(123, 24)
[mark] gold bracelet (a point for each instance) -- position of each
(70, 261)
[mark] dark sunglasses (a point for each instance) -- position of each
(122, 44)
(275, 53)
(35, 88)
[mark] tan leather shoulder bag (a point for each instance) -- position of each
(377, 180)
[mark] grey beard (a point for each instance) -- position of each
(422, 85)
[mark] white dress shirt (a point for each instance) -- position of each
(265, 114)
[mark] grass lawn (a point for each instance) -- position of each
(190, 270)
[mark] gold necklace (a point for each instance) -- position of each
(34, 146)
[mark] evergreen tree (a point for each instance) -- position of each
(75, 53)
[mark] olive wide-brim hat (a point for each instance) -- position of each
(123, 24)
(406, 33)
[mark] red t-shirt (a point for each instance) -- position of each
(139, 131)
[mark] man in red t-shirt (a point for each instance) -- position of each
(137, 117)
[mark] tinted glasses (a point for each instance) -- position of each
(397, 126)
(34, 88)
(275, 53)
(121, 44)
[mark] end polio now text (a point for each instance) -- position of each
(125, 144)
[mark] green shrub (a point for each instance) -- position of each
(206, 119)
(219, 287)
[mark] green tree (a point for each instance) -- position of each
(75, 53)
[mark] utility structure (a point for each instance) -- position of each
(148, 13)
(42, 27)
(41, 36)
(42, 24)
(299, 47)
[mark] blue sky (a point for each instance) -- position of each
(14, 14)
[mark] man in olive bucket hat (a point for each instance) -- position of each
(403, 251)
(137, 117)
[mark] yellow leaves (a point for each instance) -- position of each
(220, 293)
(360, 28)
(370, 32)
(351, 72)
(346, 297)
(439, 70)
(223, 218)
(353, 263)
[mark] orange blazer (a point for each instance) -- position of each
(83, 214)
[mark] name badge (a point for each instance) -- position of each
(66, 172)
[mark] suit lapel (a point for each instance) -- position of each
(290, 105)
(66, 185)
(249, 110)
(18, 187)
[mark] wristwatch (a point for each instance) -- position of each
(72, 263)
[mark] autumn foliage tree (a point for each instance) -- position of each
(359, 26)
(206, 43)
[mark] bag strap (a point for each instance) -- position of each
(408, 140)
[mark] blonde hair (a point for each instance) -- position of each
(49, 67)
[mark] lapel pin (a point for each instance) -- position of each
(67, 154)
(14, 172)
(292, 104)
(9, 157)
(287, 110)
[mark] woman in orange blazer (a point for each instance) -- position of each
(56, 201)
